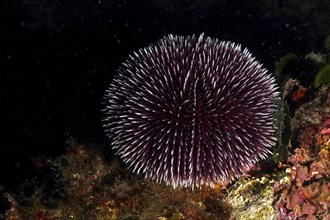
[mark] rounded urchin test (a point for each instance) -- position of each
(191, 111)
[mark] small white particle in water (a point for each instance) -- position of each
(17, 165)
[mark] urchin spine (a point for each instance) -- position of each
(187, 111)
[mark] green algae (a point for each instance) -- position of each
(327, 42)
(283, 63)
(323, 76)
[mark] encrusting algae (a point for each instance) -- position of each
(252, 198)
(86, 186)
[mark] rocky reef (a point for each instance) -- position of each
(293, 183)
(304, 192)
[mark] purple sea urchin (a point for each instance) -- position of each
(191, 110)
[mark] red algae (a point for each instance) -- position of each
(305, 192)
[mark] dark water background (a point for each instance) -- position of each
(57, 58)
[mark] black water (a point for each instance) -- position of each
(57, 58)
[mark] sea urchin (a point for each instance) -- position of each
(191, 110)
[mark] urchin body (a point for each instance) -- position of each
(191, 111)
